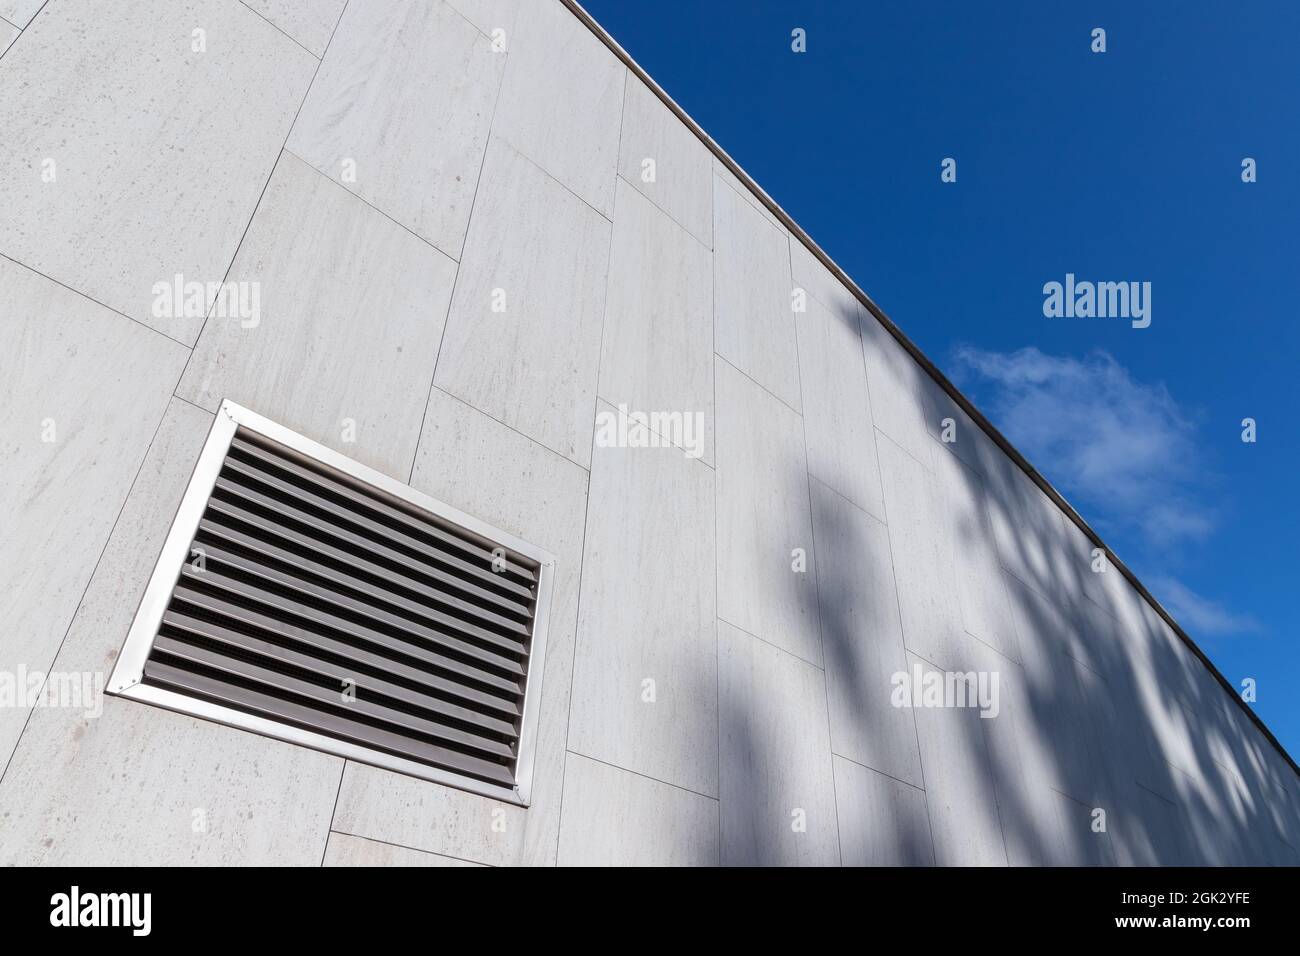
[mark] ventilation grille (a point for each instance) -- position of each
(315, 600)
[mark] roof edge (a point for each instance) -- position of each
(930, 368)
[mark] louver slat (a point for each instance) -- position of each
(275, 706)
(365, 505)
(328, 513)
(359, 657)
(319, 602)
(511, 642)
(306, 594)
(169, 650)
(385, 563)
(360, 643)
(337, 676)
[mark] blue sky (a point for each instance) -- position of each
(1122, 166)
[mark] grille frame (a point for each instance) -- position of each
(127, 679)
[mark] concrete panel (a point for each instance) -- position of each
(1027, 529)
(8, 34)
(1130, 661)
(923, 559)
(962, 439)
(310, 22)
(478, 465)
(778, 791)
(1083, 582)
(647, 614)
(1217, 737)
(83, 390)
(960, 788)
(1147, 830)
(562, 101)
(615, 818)
(1078, 841)
(1110, 590)
(1248, 834)
(883, 822)
(415, 158)
(1268, 790)
(894, 382)
(541, 255)
(808, 273)
(1284, 786)
(351, 312)
(1098, 642)
(139, 785)
(1284, 854)
(1043, 626)
(1125, 747)
(657, 352)
(20, 12)
(390, 807)
(1058, 746)
(862, 638)
(837, 412)
(981, 588)
(754, 327)
(107, 607)
(723, 176)
(1153, 678)
(680, 179)
(1025, 804)
(1124, 744)
(763, 516)
(1172, 663)
(1203, 815)
(490, 15)
(1221, 803)
(347, 850)
(1118, 753)
(142, 195)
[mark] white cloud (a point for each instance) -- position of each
(1122, 447)
(1197, 614)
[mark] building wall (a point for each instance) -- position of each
(822, 539)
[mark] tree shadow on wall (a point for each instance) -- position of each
(1109, 710)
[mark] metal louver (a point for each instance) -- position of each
(307, 597)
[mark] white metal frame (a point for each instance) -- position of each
(126, 680)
